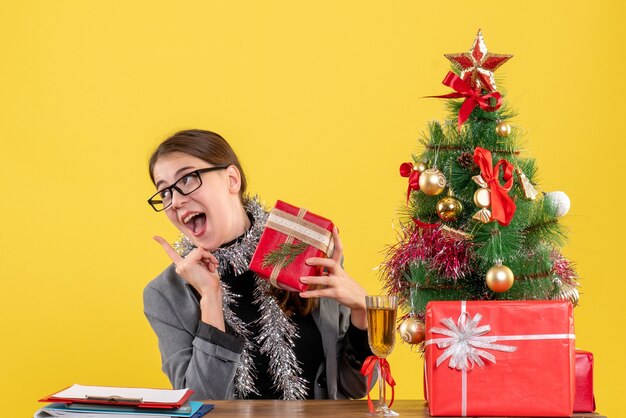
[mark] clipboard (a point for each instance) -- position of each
(110, 395)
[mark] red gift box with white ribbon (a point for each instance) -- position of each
(500, 358)
(291, 235)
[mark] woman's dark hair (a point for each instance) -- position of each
(205, 145)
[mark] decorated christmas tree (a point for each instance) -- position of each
(476, 225)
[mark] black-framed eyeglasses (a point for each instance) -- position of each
(185, 185)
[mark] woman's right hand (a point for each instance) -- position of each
(199, 269)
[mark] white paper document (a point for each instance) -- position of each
(146, 395)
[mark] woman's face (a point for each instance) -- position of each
(209, 216)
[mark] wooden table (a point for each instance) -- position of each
(319, 408)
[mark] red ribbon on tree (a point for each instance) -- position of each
(407, 170)
(502, 205)
(369, 365)
(473, 97)
(425, 225)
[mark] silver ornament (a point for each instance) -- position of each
(559, 201)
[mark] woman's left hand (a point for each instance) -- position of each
(337, 284)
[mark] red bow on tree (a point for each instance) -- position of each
(473, 97)
(502, 205)
(407, 170)
(368, 370)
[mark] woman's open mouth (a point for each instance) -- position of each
(196, 222)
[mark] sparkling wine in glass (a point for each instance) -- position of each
(381, 335)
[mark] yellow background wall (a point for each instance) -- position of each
(323, 101)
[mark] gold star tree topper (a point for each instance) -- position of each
(477, 65)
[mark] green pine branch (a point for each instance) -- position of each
(428, 286)
(284, 254)
(495, 243)
(544, 227)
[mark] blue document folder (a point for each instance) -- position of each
(188, 410)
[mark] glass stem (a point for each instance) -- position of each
(382, 402)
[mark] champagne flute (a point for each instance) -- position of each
(381, 335)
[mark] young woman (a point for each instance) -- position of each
(222, 331)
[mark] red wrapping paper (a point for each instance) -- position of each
(584, 401)
(305, 223)
(537, 379)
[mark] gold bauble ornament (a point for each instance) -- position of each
(500, 278)
(421, 167)
(432, 181)
(503, 129)
(412, 330)
(569, 292)
(482, 197)
(449, 208)
(455, 234)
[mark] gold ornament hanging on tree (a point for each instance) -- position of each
(449, 208)
(499, 278)
(432, 182)
(529, 190)
(482, 199)
(412, 330)
(452, 233)
(567, 291)
(421, 167)
(503, 129)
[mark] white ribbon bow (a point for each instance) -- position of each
(465, 343)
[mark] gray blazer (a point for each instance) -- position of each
(209, 368)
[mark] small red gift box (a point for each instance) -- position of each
(584, 401)
(500, 358)
(291, 235)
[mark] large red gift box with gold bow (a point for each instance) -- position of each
(500, 358)
(291, 235)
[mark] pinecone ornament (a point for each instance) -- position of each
(466, 160)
